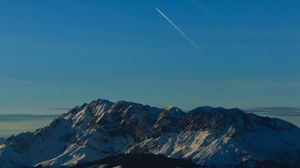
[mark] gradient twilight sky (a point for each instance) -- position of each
(62, 53)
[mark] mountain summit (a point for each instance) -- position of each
(205, 135)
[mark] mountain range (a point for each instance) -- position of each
(204, 136)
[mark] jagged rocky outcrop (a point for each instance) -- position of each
(206, 136)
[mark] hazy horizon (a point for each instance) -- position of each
(13, 124)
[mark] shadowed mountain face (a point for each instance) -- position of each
(147, 160)
(206, 136)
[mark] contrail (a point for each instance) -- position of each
(177, 28)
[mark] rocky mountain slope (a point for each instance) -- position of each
(206, 136)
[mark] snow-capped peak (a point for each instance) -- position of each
(205, 135)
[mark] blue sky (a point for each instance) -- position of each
(62, 53)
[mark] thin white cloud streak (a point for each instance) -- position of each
(177, 28)
(218, 25)
(16, 80)
(207, 14)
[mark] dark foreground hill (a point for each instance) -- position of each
(138, 161)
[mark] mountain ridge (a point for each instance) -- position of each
(204, 135)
